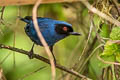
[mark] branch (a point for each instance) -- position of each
(104, 16)
(36, 56)
(2, 76)
(107, 62)
(2, 11)
(117, 6)
(41, 38)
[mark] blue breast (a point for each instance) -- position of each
(47, 28)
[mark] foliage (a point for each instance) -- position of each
(111, 48)
(79, 53)
(115, 34)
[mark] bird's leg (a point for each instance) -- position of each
(31, 52)
(51, 49)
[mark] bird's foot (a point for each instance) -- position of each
(30, 54)
(51, 49)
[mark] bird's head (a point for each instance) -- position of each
(66, 29)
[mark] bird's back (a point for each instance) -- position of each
(47, 28)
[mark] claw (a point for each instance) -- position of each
(51, 49)
(31, 52)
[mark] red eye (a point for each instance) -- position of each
(65, 29)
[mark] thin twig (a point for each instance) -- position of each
(2, 76)
(14, 59)
(83, 52)
(2, 11)
(88, 38)
(92, 45)
(113, 72)
(107, 62)
(41, 38)
(101, 41)
(117, 6)
(23, 77)
(101, 14)
(36, 56)
(1, 62)
(90, 56)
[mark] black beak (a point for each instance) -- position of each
(75, 33)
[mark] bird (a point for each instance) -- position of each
(52, 31)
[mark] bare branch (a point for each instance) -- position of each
(2, 76)
(36, 56)
(94, 10)
(41, 38)
(2, 11)
(107, 62)
(26, 75)
(117, 6)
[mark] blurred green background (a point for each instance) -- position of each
(15, 65)
(68, 52)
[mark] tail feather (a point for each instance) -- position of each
(27, 19)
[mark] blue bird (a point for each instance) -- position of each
(52, 31)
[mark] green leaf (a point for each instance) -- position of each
(118, 56)
(105, 31)
(106, 58)
(115, 34)
(110, 48)
(97, 20)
